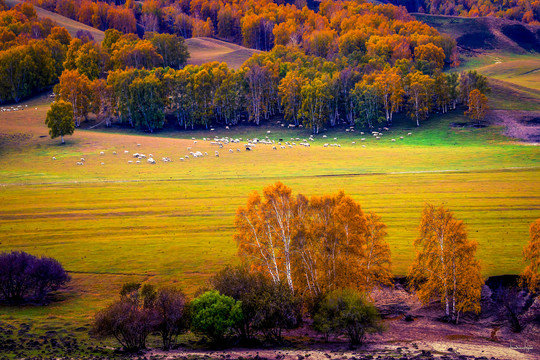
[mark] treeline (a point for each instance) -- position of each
(32, 52)
(521, 10)
(304, 89)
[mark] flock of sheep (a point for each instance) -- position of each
(14, 108)
(232, 145)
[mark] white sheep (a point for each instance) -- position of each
(80, 163)
(54, 157)
(230, 150)
(82, 159)
(130, 161)
(151, 161)
(102, 153)
(126, 152)
(114, 152)
(217, 154)
(393, 140)
(409, 134)
(102, 163)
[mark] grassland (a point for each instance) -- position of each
(173, 222)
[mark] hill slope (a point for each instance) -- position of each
(203, 50)
(477, 35)
(72, 26)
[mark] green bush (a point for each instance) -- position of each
(347, 312)
(215, 315)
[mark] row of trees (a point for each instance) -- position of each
(328, 243)
(342, 27)
(32, 52)
(521, 10)
(304, 89)
(239, 305)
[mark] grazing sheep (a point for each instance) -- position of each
(393, 140)
(130, 161)
(54, 158)
(126, 152)
(114, 152)
(274, 148)
(80, 163)
(181, 159)
(354, 142)
(363, 145)
(150, 155)
(324, 136)
(195, 142)
(102, 163)
(237, 149)
(268, 132)
(186, 157)
(82, 159)
(363, 139)
(347, 130)
(217, 154)
(138, 162)
(138, 144)
(226, 127)
(211, 129)
(205, 153)
(151, 161)
(192, 138)
(401, 137)
(361, 133)
(102, 153)
(409, 134)
(283, 147)
(188, 149)
(378, 138)
(325, 145)
(248, 149)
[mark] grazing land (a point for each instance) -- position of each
(116, 222)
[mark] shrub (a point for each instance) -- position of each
(27, 277)
(266, 307)
(171, 315)
(129, 320)
(242, 285)
(215, 315)
(347, 312)
(276, 309)
(126, 322)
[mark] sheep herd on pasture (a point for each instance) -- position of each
(233, 145)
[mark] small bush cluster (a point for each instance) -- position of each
(240, 306)
(25, 277)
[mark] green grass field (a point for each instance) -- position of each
(173, 222)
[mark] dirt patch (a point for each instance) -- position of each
(522, 125)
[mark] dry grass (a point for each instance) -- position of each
(203, 50)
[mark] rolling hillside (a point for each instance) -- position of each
(478, 35)
(205, 49)
(72, 26)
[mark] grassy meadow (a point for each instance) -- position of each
(173, 222)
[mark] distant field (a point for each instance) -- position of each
(203, 50)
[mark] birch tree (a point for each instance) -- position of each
(531, 254)
(445, 267)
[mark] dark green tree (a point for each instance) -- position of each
(60, 120)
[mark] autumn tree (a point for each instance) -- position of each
(445, 266)
(419, 90)
(264, 232)
(478, 106)
(316, 97)
(290, 92)
(390, 88)
(531, 254)
(431, 54)
(75, 88)
(315, 245)
(172, 49)
(60, 120)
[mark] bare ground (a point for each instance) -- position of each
(522, 125)
(421, 337)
